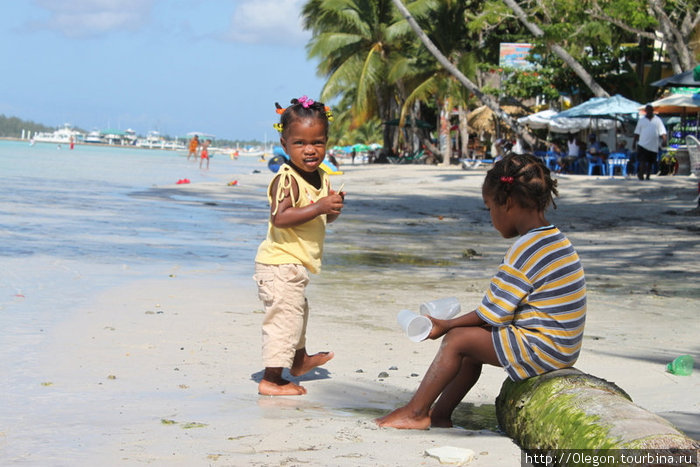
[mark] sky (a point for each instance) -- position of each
(174, 66)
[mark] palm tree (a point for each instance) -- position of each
(457, 73)
(356, 42)
(446, 26)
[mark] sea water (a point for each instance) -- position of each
(73, 222)
(92, 203)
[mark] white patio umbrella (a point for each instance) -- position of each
(677, 104)
(548, 119)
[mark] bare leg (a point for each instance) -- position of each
(303, 362)
(441, 414)
(272, 384)
(472, 344)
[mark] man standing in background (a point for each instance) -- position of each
(647, 133)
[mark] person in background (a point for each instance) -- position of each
(573, 152)
(646, 140)
(518, 147)
(595, 148)
(497, 149)
(194, 146)
(205, 153)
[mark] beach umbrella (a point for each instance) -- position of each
(547, 119)
(612, 108)
(604, 107)
(539, 120)
(687, 79)
(679, 104)
(375, 146)
(676, 104)
(360, 147)
(339, 148)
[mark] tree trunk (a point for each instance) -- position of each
(445, 139)
(463, 132)
(569, 409)
(678, 50)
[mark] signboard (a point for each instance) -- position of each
(514, 55)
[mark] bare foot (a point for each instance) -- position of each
(268, 388)
(404, 419)
(306, 363)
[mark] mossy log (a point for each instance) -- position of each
(569, 409)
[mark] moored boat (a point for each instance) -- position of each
(64, 135)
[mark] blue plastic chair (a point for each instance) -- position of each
(594, 162)
(550, 161)
(618, 159)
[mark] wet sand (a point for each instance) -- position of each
(163, 370)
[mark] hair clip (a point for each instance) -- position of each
(279, 127)
(279, 109)
(329, 114)
(306, 102)
(508, 180)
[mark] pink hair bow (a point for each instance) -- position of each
(305, 102)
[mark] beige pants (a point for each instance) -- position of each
(281, 289)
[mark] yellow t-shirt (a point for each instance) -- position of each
(302, 244)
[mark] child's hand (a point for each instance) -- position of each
(439, 329)
(331, 204)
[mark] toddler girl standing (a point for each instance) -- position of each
(301, 202)
(531, 318)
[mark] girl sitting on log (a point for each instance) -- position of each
(532, 316)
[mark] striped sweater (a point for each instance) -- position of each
(536, 304)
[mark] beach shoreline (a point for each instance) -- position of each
(163, 369)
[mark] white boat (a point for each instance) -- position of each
(94, 137)
(154, 140)
(64, 135)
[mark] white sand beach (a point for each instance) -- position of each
(163, 370)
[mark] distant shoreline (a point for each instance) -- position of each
(216, 150)
(77, 143)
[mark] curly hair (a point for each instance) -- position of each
(525, 179)
(301, 109)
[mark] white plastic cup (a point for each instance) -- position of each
(442, 308)
(416, 327)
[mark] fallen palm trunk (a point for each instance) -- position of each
(569, 409)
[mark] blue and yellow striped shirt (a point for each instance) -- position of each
(536, 304)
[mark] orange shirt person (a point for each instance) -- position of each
(194, 145)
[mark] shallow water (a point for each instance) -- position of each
(84, 204)
(75, 222)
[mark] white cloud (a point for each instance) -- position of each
(83, 18)
(268, 22)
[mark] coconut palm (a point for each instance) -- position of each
(488, 100)
(445, 24)
(356, 42)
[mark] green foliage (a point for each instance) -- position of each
(342, 131)
(524, 84)
(11, 127)
(369, 54)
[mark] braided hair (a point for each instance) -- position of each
(524, 178)
(300, 109)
